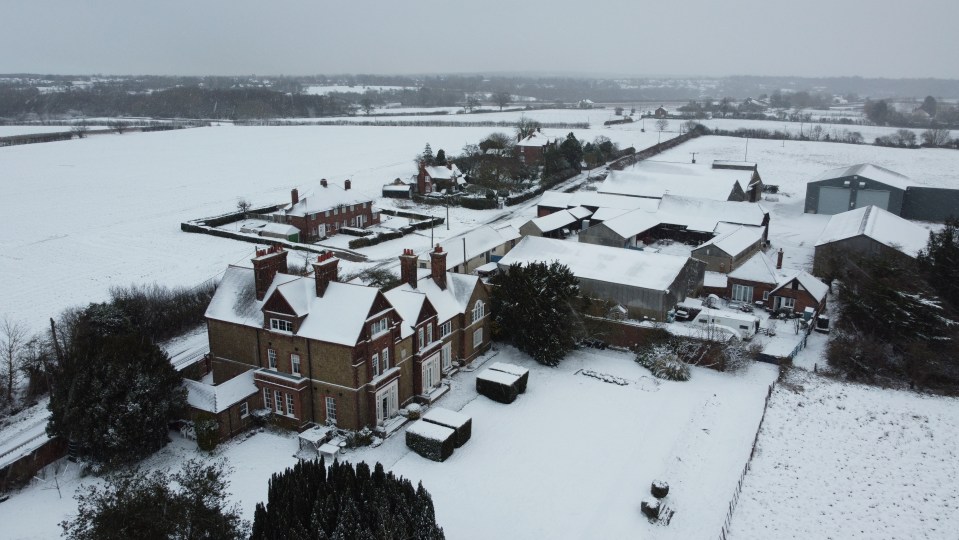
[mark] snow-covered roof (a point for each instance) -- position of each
(653, 179)
(270, 227)
(745, 165)
(606, 214)
(397, 187)
(322, 200)
(536, 139)
(816, 288)
(737, 240)
(580, 213)
(630, 267)
(715, 280)
(441, 172)
(555, 221)
(336, 317)
(214, 399)
(593, 199)
(478, 241)
(878, 224)
(758, 268)
(448, 302)
(408, 303)
(870, 171)
(695, 214)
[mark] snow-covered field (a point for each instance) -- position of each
(81, 216)
(320, 90)
(6, 131)
(571, 458)
(841, 460)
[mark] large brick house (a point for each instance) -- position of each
(530, 149)
(322, 351)
(438, 178)
(327, 211)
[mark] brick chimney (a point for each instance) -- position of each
(294, 195)
(266, 264)
(323, 182)
(325, 271)
(779, 259)
(438, 266)
(347, 184)
(408, 267)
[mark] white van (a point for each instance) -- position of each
(743, 325)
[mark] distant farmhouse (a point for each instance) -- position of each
(866, 231)
(440, 178)
(325, 212)
(646, 284)
(858, 186)
(530, 149)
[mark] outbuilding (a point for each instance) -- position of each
(847, 188)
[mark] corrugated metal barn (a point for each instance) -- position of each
(839, 190)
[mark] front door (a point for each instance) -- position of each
(447, 354)
(431, 373)
(322, 230)
(387, 403)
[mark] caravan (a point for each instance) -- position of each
(742, 325)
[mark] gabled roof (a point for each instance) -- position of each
(537, 139)
(441, 172)
(870, 171)
(816, 288)
(478, 241)
(758, 268)
(878, 224)
(336, 317)
(629, 267)
(735, 241)
(555, 221)
(580, 212)
(214, 399)
(324, 199)
(448, 302)
(653, 179)
(408, 303)
(696, 214)
(593, 199)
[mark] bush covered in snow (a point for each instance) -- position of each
(650, 507)
(663, 364)
(430, 440)
(659, 489)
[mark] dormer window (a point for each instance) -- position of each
(379, 326)
(281, 325)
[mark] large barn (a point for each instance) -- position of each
(847, 188)
(646, 284)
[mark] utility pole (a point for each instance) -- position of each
(746, 155)
(694, 156)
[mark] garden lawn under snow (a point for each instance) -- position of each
(841, 460)
(573, 457)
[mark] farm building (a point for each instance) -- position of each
(477, 247)
(866, 231)
(325, 212)
(653, 179)
(556, 225)
(682, 219)
(733, 245)
(399, 189)
(646, 284)
(553, 201)
(847, 188)
(272, 230)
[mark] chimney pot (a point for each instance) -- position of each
(779, 259)
(438, 267)
(408, 267)
(295, 195)
(267, 263)
(347, 184)
(324, 271)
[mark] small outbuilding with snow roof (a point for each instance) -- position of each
(847, 188)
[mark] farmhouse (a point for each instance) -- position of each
(847, 188)
(646, 284)
(441, 178)
(682, 219)
(755, 279)
(324, 213)
(866, 231)
(799, 291)
(479, 246)
(653, 179)
(530, 149)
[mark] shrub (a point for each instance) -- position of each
(431, 441)
(662, 364)
(207, 431)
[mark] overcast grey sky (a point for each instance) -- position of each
(872, 38)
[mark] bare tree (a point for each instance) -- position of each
(904, 137)
(526, 127)
(80, 129)
(662, 124)
(13, 337)
(935, 137)
(118, 126)
(502, 99)
(471, 102)
(243, 205)
(367, 105)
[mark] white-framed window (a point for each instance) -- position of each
(271, 357)
(266, 398)
(244, 410)
(352, 222)
(446, 356)
(278, 401)
(313, 217)
(788, 302)
(331, 409)
(421, 337)
(336, 211)
(479, 310)
(477, 337)
(380, 326)
(290, 410)
(429, 333)
(446, 329)
(327, 214)
(765, 295)
(386, 359)
(376, 364)
(281, 325)
(295, 364)
(742, 293)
